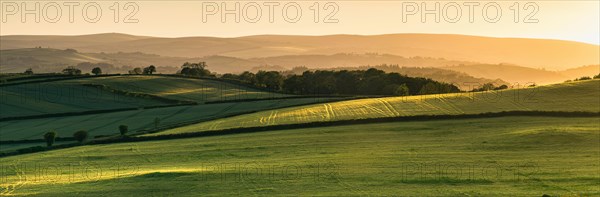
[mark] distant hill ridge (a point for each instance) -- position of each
(43, 60)
(535, 53)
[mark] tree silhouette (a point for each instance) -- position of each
(80, 136)
(97, 71)
(123, 129)
(50, 137)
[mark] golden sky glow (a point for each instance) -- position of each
(565, 20)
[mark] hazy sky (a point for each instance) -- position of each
(565, 20)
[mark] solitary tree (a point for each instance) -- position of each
(97, 71)
(149, 70)
(123, 129)
(195, 69)
(80, 136)
(50, 137)
(29, 71)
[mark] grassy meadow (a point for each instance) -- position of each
(199, 90)
(509, 156)
(501, 156)
(542, 98)
(60, 97)
(137, 120)
(71, 96)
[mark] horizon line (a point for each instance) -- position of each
(307, 35)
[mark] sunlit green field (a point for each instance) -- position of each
(199, 90)
(511, 156)
(575, 96)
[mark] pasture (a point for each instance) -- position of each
(510, 156)
(583, 96)
(188, 89)
(59, 97)
(71, 95)
(137, 120)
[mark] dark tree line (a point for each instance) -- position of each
(195, 70)
(360, 82)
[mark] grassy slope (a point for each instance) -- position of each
(575, 96)
(62, 97)
(71, 96)
(511, 156)
(107, 123)
(181, 88)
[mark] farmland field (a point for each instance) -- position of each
(198, 90)
(71, 96)
(514, 155)
(137, 120)
(530, 156)
(60, 97)
(542, 98)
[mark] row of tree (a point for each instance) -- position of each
(344, 82)
(72, 70)
(489, 86)
(80, 136)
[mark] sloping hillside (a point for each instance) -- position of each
(584, 97)
(189, 89)
(511, 73)
(536, 53)
(116, 92)
(371, 159)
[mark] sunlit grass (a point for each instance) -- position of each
(580, 96)
(370, 159)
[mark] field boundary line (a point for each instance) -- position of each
(231, 131)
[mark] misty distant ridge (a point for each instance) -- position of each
(44, 60)
(533, 53)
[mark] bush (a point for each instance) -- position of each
(97, 71)
(583, 78)
(50, 137)
(71, 71)
(502, 87)
(123, 129)
(597, 76)
(80, 136)
(149, 70)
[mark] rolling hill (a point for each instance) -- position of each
(522, 75)
(450, 71)
(58, 97)
(117, 92)
(542, 98)
(138, 120)
(185, 89)
(475, 157)
(536, 53)
(49, 60)
(54, 60)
